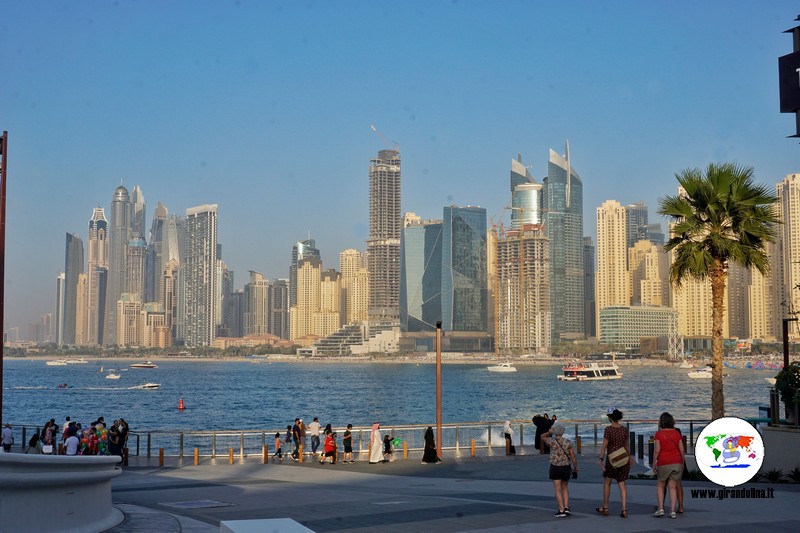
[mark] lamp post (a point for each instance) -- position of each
(439, 389)
(3, 165)
(786, 340)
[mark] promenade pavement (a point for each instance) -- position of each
(495, 493)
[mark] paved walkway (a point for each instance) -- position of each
(487, 494)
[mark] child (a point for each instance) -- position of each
(278, 451)
(387, 449)
(330, 448)
(347, 440)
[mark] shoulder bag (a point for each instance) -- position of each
(618, 458)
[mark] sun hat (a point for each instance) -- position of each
(611, 410)
(558, 429)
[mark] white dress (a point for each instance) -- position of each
(376, 450)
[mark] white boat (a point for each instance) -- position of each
(502, 367)
(600, 371)
(771, 381)
(147, 386)
(57, 362)
(78, 361)
(685, 364)
(703, 373)
(113, 376)
(146, 364)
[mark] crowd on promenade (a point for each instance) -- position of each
(73, 438)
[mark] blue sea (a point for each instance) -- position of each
(241, 395)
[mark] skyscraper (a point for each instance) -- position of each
(383, 245)
(300, 250)
(562, 204)
(788, 193)
(256, 305)
(155, 262)
(73, 267)
(58, 324)
(635, 220)
(279, 308)
(421, 274)
(464, 278)
(119, 235)
(96, 279)
(613, 284)
(199, 276)
(589, 315)
(526, 196)
(138, 213)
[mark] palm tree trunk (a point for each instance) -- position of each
(719, 276)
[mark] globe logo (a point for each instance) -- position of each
(729, 451)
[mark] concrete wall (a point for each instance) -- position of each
(781, 447)
(45, 493)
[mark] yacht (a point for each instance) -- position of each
(146, 364)
(57, 362)
(600, 371)
(502, 367)
(78, 361)
(112, 375)
(702, 373)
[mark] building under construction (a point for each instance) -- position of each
(521, 290)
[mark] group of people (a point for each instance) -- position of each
(75, 437)
(616, 460)
(381, 449)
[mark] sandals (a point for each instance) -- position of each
(602, 510)
(624, 513)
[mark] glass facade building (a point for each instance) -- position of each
(421, 276)
(464, 269)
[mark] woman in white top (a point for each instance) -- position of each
(376, 445)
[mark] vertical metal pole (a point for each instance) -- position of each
(180, 453)
(213, 445)
(439, 443)
(3, 166)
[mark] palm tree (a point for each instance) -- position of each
(719, 216)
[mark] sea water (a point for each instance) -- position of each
(241, 395)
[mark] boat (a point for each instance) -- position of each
(502, 367)
(146, 364)
(57, 362)
(63, 386)
(685, 364)
(601, 371)
(113, 376)
(771, 381)
(78, 361)
(703, 373)
(147, 386)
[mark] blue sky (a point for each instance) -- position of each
(265, 109)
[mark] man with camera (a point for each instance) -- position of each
(563, 465)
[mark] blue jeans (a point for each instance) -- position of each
(314, 443)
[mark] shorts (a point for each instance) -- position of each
(348, 448)
(667, 472)
(329, 454)
(560, 472)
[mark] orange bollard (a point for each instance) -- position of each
(578, 444)
(125, 456)
(300, 452)
(472, 446)
(196, 456)
(161, 457)
(405, 449)
(265, 454)
(230, 455)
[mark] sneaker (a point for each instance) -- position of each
(560, 514)
(567, 511)
(659, 513)
(673, 515)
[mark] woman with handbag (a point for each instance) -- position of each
(615, 460)
(563, 465)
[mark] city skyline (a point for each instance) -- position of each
(273, 126)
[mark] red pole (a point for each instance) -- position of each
(3, 165)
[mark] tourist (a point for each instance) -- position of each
(288, 439)
(330, 448)
(429, 455)
(124, 431)
(347, 440)
(616, 461)
(72, 442)
(302, 427)
(7, 438)
(314, 428)
(509, 435)
(34, 445)
(375, 445)
(668, 457)
(278, 450)
(114, 441)
(47, 438)
(296, 440)
(541, 427)
(563, 465)
(387, 449)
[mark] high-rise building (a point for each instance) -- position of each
(383, 245)
(589, 306)
(73, 267)
(138, 213)
(301, 315)
(653, 233)
(58, 324)
(156, 257)
(635, 220)
(96, 280)
(256, 305)
(135, 254)
(613, 283)
(170, 299)
(420, 274)
(353, 266)
(119, 235)
(327, 319)
(129, 310)
(522, 291)
(279, 308)
(788, 206)
(623, 326)
(563, 221)
(464, 277)
(649, 272)
(199, 276)
(300, 250)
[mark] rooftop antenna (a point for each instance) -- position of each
(386, 143)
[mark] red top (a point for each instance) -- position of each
(329, 443)
(670, 453)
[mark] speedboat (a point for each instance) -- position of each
(502, 367)
(147, 386)
(113, 376)
(57, 362)
(146, 364)
(602, 371)
(703, 373)
(78, 361)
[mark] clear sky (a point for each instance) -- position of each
(264, 108)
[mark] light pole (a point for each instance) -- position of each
(786, 340)
(439, 389)
(3, 165)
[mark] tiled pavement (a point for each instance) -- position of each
(490, 494)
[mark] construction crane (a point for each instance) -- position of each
(386, 143)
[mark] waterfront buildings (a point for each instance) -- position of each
(562, 206)
(300, 250)
(464, 279)
(355, 286)
(788, 193)
(612, 285)
(279, 308)
(383, 245)
(119, 235)
(256, 305)
(421, 274)
(94, 300)
(301, 315)
(590, 304)
(156, 257)
(58, 332)
(624, 326)
(73, 268)
(198, 277)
